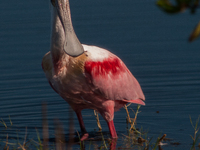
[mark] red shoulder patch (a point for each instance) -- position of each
(107, 66)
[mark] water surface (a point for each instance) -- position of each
(152, 44)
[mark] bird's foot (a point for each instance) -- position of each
(84, 136)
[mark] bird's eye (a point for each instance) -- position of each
(53, 3)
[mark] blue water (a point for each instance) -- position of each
(151, 43)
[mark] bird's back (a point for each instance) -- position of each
(110, 75)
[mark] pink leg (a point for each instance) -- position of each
(111, 127)
(113, 144)
(108, 114)
(82, 126)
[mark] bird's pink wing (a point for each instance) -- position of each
(113, 80)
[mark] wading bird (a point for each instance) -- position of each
(87, 77)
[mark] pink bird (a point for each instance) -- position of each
(87, 77)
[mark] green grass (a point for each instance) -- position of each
(135, 138)
(3, 123)
(195, 137)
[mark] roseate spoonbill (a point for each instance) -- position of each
(87, 77)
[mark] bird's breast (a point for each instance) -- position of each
(70, 77)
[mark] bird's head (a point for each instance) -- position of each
(63, 35)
